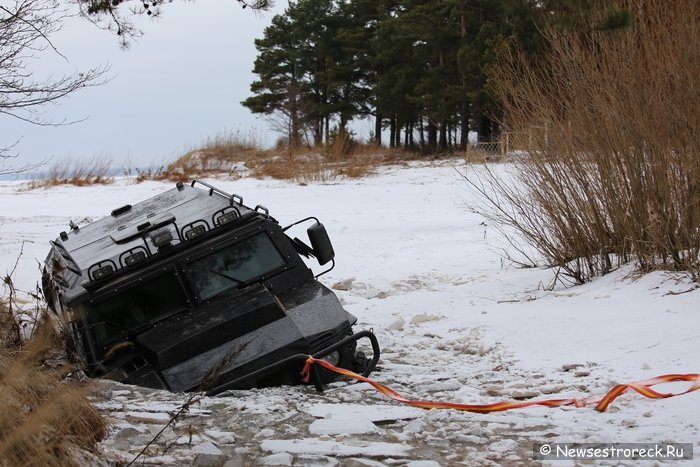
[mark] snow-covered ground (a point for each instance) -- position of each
(456, 321)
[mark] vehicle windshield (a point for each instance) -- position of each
(136, 306)
(234, 266)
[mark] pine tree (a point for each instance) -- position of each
(280, 86)
(311, 54)
(418, 66)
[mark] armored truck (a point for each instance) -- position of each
(192, 290)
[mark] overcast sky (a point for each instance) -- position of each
(179, 84)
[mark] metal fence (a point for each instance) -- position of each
(484, 151)
(510, 142)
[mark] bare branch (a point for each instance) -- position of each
(25, 27)
(110, 14)
(25, 30)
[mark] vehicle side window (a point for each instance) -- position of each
(136, 306)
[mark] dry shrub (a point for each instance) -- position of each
(341, 146)
(613, 171)
(76, 172)
(359, 166)
(238, 156)
(44, 420)
(309, 167)
(350, 158)
(152, 173)
(9, 329)
(301, 168)
(220, 155)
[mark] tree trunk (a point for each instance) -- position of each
(398, 134)
(293, 122)
(443, 137)
(378, 129)
(318, 133)
(392, 132)
(464, 126)
(464, 122)
(422, 135)
(432, 136)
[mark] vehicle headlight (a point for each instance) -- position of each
(333, 358)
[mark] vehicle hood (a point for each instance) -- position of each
(226, 338)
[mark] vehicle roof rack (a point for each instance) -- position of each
(237, 199)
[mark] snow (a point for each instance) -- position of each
(333, 448)
(379, 413)
(456, 322)
(207, 447)
(148, 417)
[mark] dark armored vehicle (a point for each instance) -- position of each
(193, 290)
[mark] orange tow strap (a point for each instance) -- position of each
(642, 387)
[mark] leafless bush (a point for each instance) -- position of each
(615, 174)
(76, 172)
(44, 419)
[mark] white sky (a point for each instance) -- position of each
(177, 85)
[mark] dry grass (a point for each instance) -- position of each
(44, 420)
(312, 167)
(234, 156)
(337, 161)
(301, 168)
(9, 329)
(220, 155)
(76, 172)
(615, 174)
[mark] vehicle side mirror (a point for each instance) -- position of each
(323, 249)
